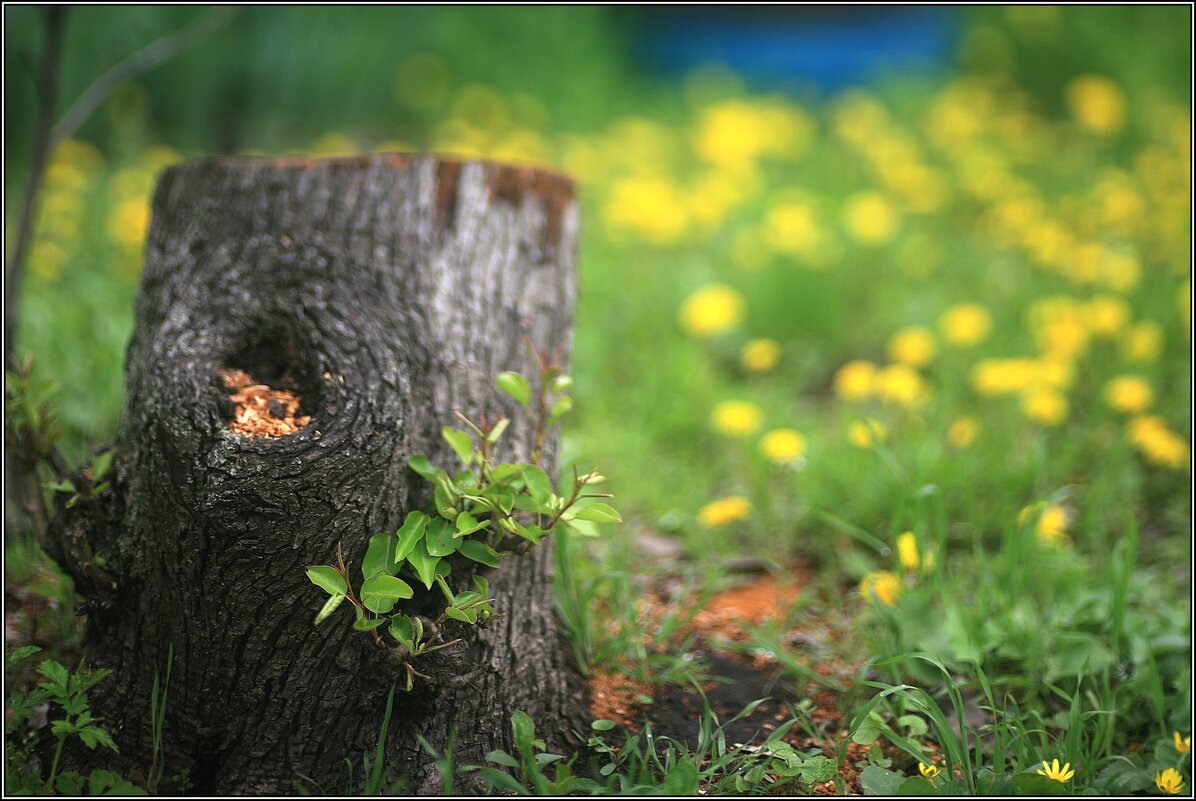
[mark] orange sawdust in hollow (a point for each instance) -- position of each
(261, 411)
(759, 601)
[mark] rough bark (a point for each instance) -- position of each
(387, 292)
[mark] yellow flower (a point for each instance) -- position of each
(870, 218)
(1129, 394)
(1182, 744)
(760, 355)
(1142, 342)
(724, 511)
(1051, 528)
(792, 228)
(1169, 781)
(1097, 103)
(1045, 406)
(928, 771)
(711, 310)
(129, 222)
(902, 385)
(855, 380)
(1107, 315)
(652, 207)
(883, 585)
(913, 346)
(1157, 443)
(736, 418)
(1000, 376)
(963, 432)
(782, 445)
(966, 324)
(907, 551)
(1053, 771)
(866, 433)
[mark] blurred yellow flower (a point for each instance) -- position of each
(902, 385)
(735, 133)
(855, 380)
(870, 218)
(783, 445)
(1169, 781)
(881, 585)
(866, 433)
(760, 355)
(1055, 372)
(928, 771)
(334, 144)
(1142, 342)
(724, 511)
(1183, 745)
(1063, 337)
(907, 550)
(1053, 519)
(1096, 103)
(1120, 271)
(47, 259)
(1053, 771)
(963, 432)
(1157, 443)
(966, 324)
(129, 222)
(913, 346)
(1128, 394)
(737, 418)
(652, 207)
(1045, 406)
(1107, 315)
(712, 310)
(792, 228)
(1001, 376)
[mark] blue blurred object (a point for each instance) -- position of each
(831, 46)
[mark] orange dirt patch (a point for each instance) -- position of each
(261, 411)
(613, 697)
(754, 603)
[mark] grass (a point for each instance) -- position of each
(1043, 612)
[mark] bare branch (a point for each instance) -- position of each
(152, 55)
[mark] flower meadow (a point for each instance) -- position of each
(924, 344)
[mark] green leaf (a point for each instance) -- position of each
(916, 785)
(537, 483)
(818, 769)
(424, 563)
(463, 615)
(524, 730)
(19, 655)
(515, 385)
(878, 781)
(533, 533)
(562, 406)
(502, 758)
(440, 539)
(100, 465)
(602, 725)
(420, 464)
(328, 579)
(466, 598)
(598, 513)
(461, 442)
(94, 735)
(410, 534)
(480, 552)
(380, 593)
(329, 606)
(483, 585)
(583, 528)
(56, 673)
(497, 430)
(403, 631)
(380, 556)
(560, 384)
(369, 625)
(1037, 784)
(60, 486)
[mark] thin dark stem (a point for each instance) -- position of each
(47, 90)
(152, 55)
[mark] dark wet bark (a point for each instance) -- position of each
(387, 292)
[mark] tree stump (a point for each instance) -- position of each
(372, 296)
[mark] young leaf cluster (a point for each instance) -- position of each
(481, 513)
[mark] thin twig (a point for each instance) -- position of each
(152, 55)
